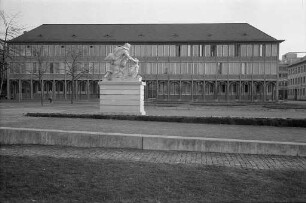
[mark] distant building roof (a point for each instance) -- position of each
(300, 61)
(118, 33)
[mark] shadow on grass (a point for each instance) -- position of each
(46, 179)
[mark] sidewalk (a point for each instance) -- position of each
(242, 161)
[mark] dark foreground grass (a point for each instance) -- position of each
(279, 122)
(46, 179)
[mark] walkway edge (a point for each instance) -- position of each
(9, 135)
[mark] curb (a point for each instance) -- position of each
(9, 135)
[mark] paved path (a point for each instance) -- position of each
(264, 162)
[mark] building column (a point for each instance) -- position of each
(240, 92)
(65, 89)
(168, 90)
(31, 89)
(8, 89)
(204, 86)
(19, 90)
(157, 88)
(76, 89)
(264, 91)
(216, 90)
(191, 89)
(88, 90)
(227, 91)
(53, 90)
(180, 89)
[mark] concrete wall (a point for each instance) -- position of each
(149, 142)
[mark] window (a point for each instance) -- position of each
(183, 68)
(210, 68)
(274, 49)
(51, 50)
(225, 50)
(189, 50)
(243, 68)
(207, 50)
(273, 68)
(154, 50)
(243, 50)
(219, 70)
(231, 49)
(28, 50)
(57, 50)
(255, 68)
(166, 50)
(268, 50)
(249, 50)
(249, 68)
(195, 70)
(261, 50)
(190, 68)
(51, 68)
(85, 50)
(256, 50)
(237, 50)
(178, 50)
(153, 68)
(34, 68)
(160, 50)
(184, 50)
(267, 68)
(195, 50)
(234, 68)
(213, 50)
(201, 68)
(102, 49)
(219, 50)
(172, 50)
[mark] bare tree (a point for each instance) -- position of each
(74, 68)
(9, 30)
(40, 70)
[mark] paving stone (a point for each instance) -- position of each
(263, 162)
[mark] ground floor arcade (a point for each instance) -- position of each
(155, 90)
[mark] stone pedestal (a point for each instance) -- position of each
(122, 97)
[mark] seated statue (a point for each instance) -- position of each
(118, 60)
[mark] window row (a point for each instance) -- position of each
(153, 68)
(297, 70)
(200, 50)
(297, 81)
(209, 68)
(297, 92)
(186, 88)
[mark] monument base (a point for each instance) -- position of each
(122, 97)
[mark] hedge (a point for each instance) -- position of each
(279, 122)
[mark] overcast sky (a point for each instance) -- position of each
(282, 19)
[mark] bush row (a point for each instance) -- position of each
(279, 122)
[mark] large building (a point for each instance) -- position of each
(178, 62)
(297, 80)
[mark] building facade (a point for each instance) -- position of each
(297, 80)
(179, 62)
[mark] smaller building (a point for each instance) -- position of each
(297, 80)
(283, 81)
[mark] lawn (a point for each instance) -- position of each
(46, 179)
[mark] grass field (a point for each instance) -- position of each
(46, 179)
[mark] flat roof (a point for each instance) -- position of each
(143, 33)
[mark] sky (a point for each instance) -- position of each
(281, 19)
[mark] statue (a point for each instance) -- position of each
(118, 60)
